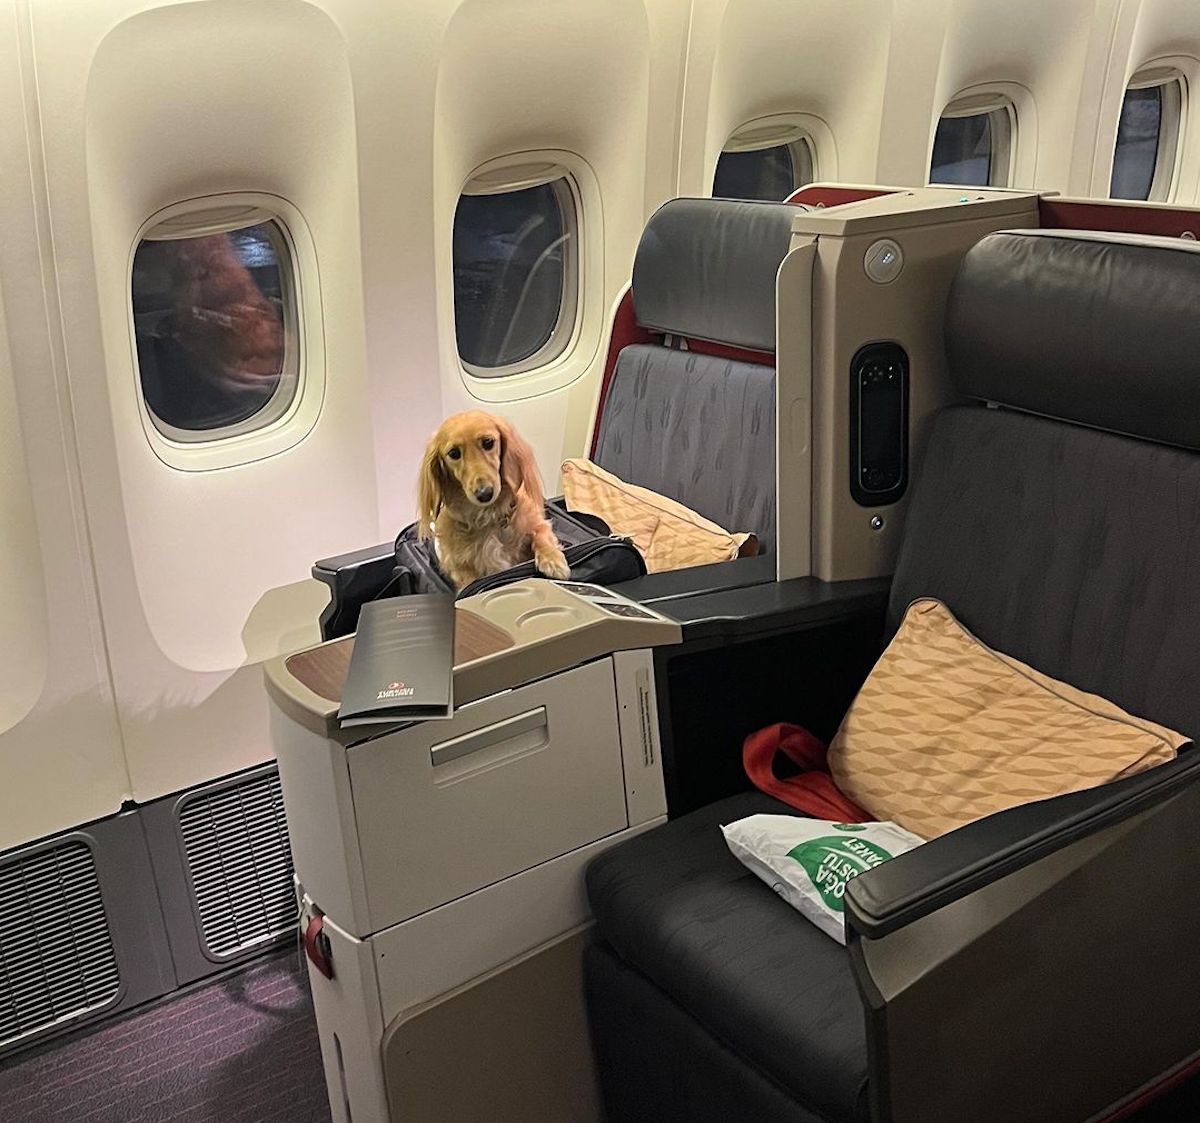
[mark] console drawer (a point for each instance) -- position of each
(444, 808)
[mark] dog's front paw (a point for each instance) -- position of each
(552, 562)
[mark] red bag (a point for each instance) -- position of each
(812, 790)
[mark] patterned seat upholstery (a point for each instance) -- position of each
(694, 426)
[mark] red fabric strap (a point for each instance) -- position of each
(812, 790)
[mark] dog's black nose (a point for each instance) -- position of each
(484, 493)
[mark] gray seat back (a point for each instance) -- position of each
(1052, 537)
(700, 428)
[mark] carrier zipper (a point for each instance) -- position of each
(580, 552)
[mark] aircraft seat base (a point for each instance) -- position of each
(682, 1073)
(724, 955)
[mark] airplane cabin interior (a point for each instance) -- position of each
(600, 561)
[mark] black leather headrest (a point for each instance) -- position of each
(1099, 329)
(705, 268)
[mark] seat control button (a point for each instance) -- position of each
(883, 261)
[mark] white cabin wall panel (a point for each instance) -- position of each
(600, 84)
(204, 573)
(1044, 50)
(752, 58)
(60, 749)
(1099, 97)
(914, 56)
(442, 86)
(393, 56)
(22, 595)
(1162, 32)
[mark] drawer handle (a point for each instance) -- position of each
(488, 737)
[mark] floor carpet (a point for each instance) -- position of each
(240, 1050)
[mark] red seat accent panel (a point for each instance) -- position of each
(815, 196)
(1058, 214)
(626, 330)
(738, 354)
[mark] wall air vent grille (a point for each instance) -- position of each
(239, 865)
(56, 952)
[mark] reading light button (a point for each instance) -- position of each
(883, 261)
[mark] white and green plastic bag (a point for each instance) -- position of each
(809, 862)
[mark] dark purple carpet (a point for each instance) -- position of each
(241, 1050)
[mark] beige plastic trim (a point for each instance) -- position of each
(350, 1025)
(957, 968)
(793, 409)
(424, 958)
(552, 630)
(913, 207)
(430, 833)
(933, 227)
(510, 1047)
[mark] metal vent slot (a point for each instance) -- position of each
(239, 865)
(56, 953)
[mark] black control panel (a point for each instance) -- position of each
(878, 424)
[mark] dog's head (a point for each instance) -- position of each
(473, 461)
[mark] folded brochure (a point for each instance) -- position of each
(402, 665)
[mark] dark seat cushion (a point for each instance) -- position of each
(676, 905)
(1073, 550)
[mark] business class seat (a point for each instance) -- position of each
(687, 402)
(688, 411)
(1040, 964)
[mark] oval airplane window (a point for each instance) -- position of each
(215, 323)
(1147, 137)
(973, 143)
(516, 271)
(765, 161)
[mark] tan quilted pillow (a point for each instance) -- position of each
(668, 534)
(946, 730)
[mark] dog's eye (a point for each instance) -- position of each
(488, 443)
(455, 454)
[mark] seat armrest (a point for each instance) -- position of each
(946, 869)
(699, 580)
(769, 608)
(354, 558)
(353, 579)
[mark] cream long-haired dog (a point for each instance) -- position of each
(480, 498)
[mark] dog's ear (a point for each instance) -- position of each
(431, 489)
(518, 467)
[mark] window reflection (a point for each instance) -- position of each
(962, 151)
(1136, 156)
(514, 300)
(210, 327)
